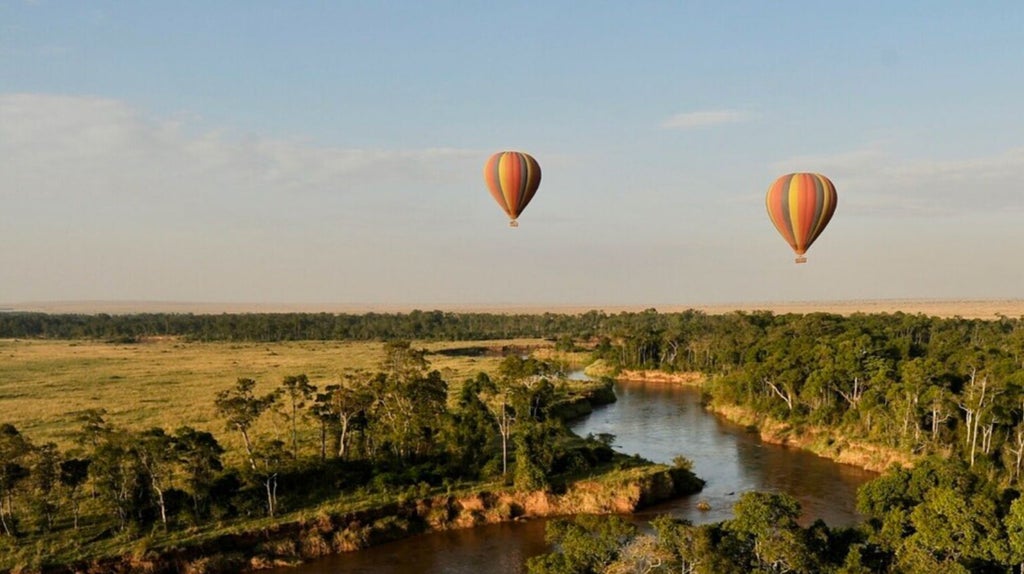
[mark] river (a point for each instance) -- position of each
(657, 421)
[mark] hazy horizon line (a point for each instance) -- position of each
(963, 307)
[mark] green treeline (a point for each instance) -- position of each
(267, 327)
(947, 393)
(370, 439)
(950, 387)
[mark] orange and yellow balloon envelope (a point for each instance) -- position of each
(801, 205)
(513, 178)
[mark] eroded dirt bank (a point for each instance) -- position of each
(294, 542)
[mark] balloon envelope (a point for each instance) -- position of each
(801, 205)
(513, 178)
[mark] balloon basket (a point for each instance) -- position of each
(513, 223)
(801, 259)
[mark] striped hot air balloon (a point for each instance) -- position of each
(513, 178)
(801, 205)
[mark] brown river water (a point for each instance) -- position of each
(657, 421)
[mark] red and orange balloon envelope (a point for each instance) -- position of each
(801, 205)
(513, 178)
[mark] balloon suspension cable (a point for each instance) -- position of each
(513, 223)
(801, 259)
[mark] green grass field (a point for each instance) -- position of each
(170, 383)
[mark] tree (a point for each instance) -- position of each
(535, 454)
(767, 522)
(14, 451)
(952, 529)
(73, 474)
(155, 451)
(343, 404)
(198, 453)
(497, 397)
(242, 409)
(586, 544)
(408, 404)
(269, 461)
(121, 480)
(641, 555)
(1014, 522)
(521, 391)
(43, 481)
(298, 390)
(688, 545)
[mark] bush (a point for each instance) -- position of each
(682, 462)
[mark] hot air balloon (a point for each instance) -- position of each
(513, 178)
(801, 205)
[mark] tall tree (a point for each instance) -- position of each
(157, 454)
(242, 408)
(298, 390)
(44, 480)
(14, 452)
(198, 453)
(73, 474)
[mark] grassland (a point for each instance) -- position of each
(169, 382)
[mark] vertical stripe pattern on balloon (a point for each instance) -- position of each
(512, 178)
(800, 205)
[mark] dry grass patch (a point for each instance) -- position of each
(170, 383)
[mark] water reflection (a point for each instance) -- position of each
(499, 548)
(660, 421)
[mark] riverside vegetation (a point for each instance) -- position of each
(276, 473)
(943, 396)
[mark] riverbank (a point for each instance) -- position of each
(818, 440)
(821, 441)
(290, 543)
(680, 378)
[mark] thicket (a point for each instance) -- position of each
(937, 517)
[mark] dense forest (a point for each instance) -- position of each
(949, 393)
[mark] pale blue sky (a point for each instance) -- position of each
(331, 151)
